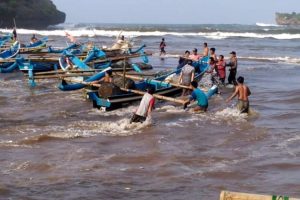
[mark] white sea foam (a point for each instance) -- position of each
(113, 33)
(231, 114)
(283, 59)
(266, 25)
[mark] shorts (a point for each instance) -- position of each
(243, 106)
(201, 108)
(137, 118)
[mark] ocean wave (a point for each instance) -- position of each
(285, 59)
(266, 25)
(216, 35)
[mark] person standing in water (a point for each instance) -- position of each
(186, 76)
(242, 91)
(195, 56)
(221, 65)
(233, 64)
(145, 108)
(162, 46)
(205, 49)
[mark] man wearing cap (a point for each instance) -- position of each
(195, 56)
(233, 63)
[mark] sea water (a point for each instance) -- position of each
(54, 145)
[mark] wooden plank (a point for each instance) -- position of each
(60, 76)
(158, 96)
(141, 79)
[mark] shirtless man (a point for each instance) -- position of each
(242, 91)
(108, 78)
(205, 49)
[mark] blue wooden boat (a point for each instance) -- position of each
(162, 88)
(35, 66)
(74, 62)
(8, 67)
(74, 48)
(35, 47)
(10, 52)
(4, 39)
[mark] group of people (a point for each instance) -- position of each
(217, 65)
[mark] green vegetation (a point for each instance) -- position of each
(29, 13)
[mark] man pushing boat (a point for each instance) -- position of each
(145, 108)
(242, 91)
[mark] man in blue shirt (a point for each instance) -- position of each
(200, 96)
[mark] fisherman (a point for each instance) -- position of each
(33, 39)
(183, 60)
(14, 34)
(121, 40)
(212, 53)
(70, 65)
(233, 68)
(108, 78)
(208, 77)
(221, 69)
(242, 91)
(70, 37)
(186, 76)
(162, 46)
(205, 49)
(195, 56)
(200, 96)
(145, 108)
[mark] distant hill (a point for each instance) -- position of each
(37, 14)
(288, 19)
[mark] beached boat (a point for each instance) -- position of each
(8, 67)
(34, 47)
(11, 52)
(35, 66)
(74, 48)
(4, 39)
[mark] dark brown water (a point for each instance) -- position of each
(53, 145)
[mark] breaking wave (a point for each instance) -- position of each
(216, 35)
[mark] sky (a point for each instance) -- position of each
(175, 11)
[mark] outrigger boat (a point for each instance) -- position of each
(35, 47)
(11, 52)
(111, 97)
(4, 39)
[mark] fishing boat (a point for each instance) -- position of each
(4, 39)
(74, 48)
(110, 97)
(35, 46)
(8, 67)
(11, 52)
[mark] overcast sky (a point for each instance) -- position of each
(175, 11)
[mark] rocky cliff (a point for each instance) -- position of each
(288, 19)
(37, 14)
